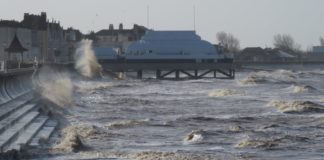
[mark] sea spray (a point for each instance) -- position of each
(85, 60)
(55, 86)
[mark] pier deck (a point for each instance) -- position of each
(162, 70)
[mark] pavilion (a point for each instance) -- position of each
(16, 47)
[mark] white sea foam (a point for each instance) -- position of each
(88, 85)
(86, 61)
(73, 135)
(303, 88)
(126, 123)
(296, 106)
(221, 93)
(278, 76)
(194, 137)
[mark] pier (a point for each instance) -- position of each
(174, 70)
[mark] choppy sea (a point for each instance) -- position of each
(276, 112)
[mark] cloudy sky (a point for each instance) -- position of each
(254, 22)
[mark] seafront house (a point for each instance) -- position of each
(316, 55)
(108, 43)
(118, 38)
(44, 41)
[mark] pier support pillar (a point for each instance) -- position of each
(158, 74)
(177, 74)
(139, 74)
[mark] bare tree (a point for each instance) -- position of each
(321, 39)
(228, 42)
(286, 42)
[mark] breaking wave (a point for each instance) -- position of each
(255, 143)
(272, 142)
(278, 76)
(221, 93)
(194, 137)
(315, 72)
(127, 123)
(73, 135)
(302, 88)
(236, 129)
(297, 106)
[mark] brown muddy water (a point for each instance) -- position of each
(260, 115)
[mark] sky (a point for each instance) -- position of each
(253, 22)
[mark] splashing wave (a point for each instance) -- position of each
(297, 106)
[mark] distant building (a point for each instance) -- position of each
(252, 54)
(316, 55)
(318, 49)
(45, 41)
(72, 37)
(118, 38)
(258, 54)
(35, 22)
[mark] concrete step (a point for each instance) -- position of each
(11, 133)
(7, 108)
(44, 134)
(26, 136)
(15, 116)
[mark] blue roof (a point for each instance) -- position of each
(171, 44)
(104, 52)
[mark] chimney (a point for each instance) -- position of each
(111, 27)
(121, 27)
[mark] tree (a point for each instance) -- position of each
(321, 39)
(228, 42)
(286, 43)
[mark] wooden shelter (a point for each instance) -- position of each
(16, 47)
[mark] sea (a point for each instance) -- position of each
(267, 112)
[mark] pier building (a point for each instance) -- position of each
(168, 52)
